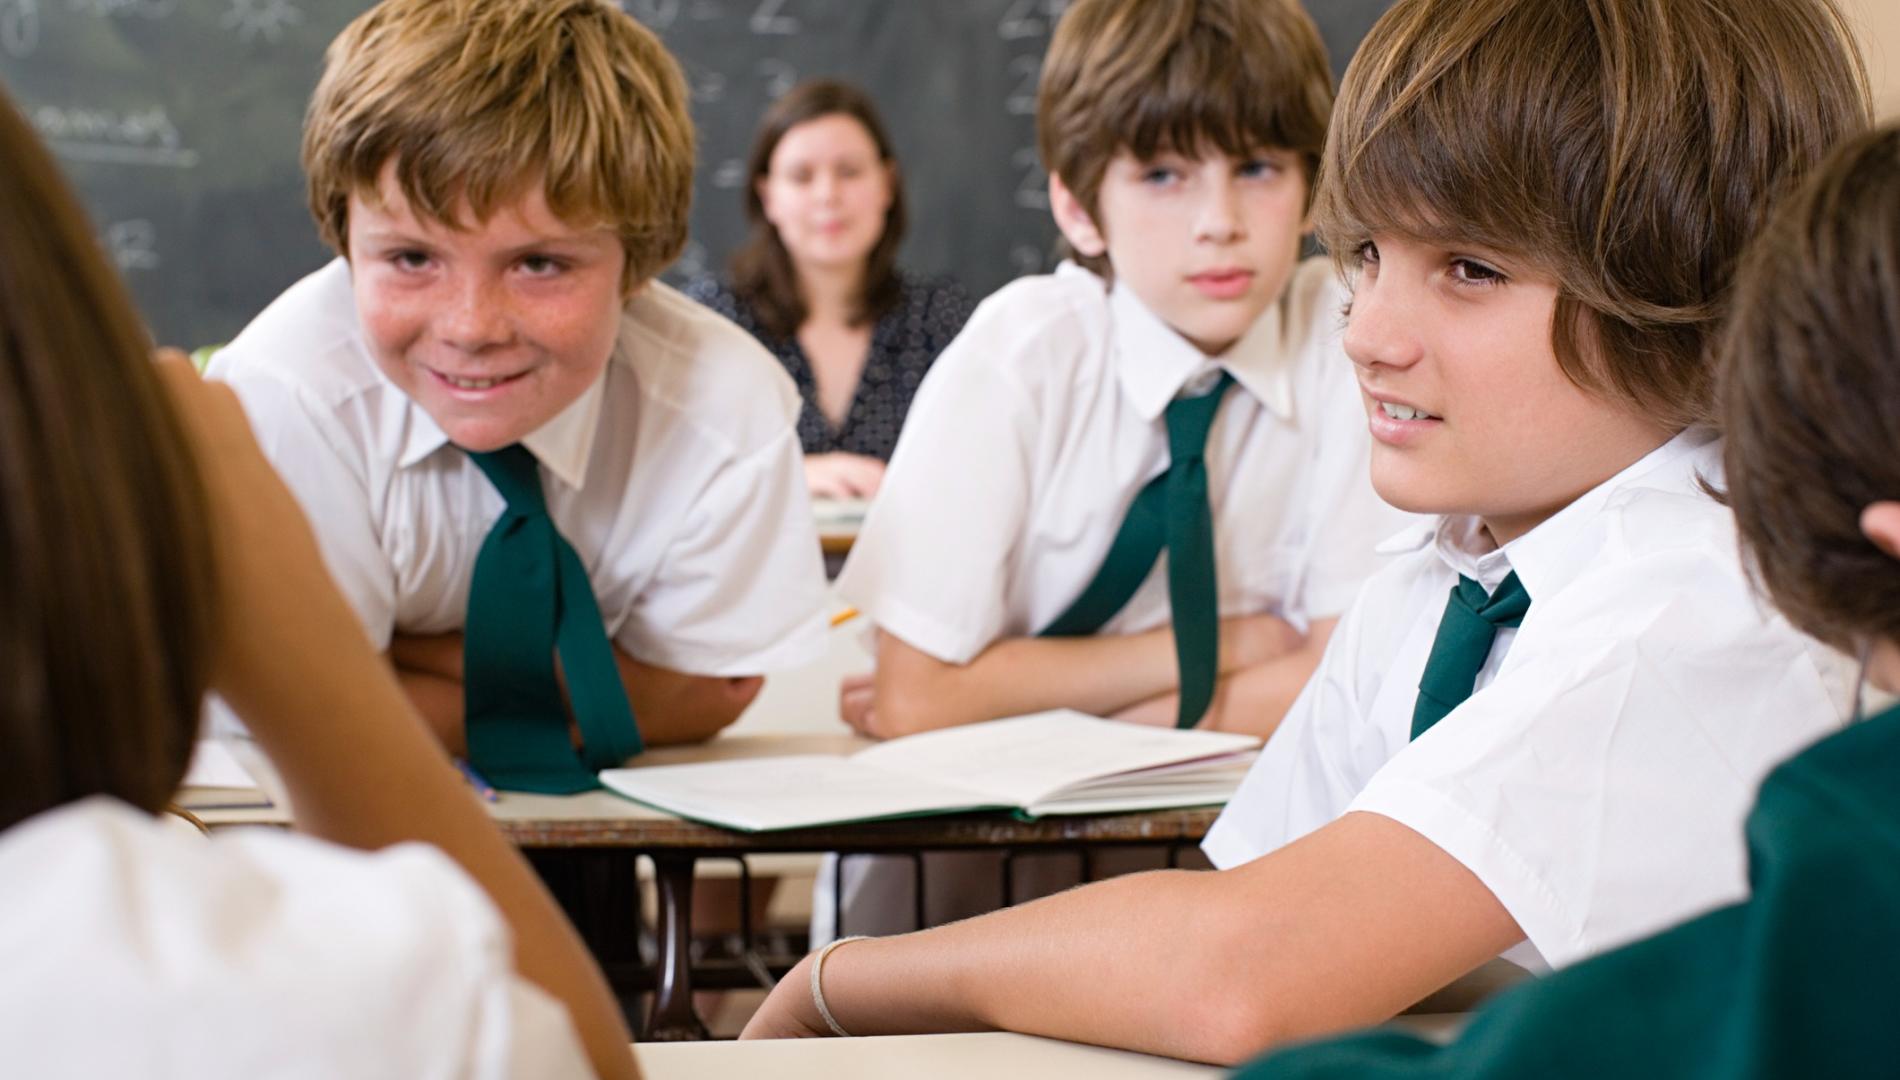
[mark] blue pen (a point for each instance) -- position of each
(475, 780)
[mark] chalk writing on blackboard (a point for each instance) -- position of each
(770, 18)
(655, 14)
(139, 136)
(268, 19)
(1029, 18)
(19, 27)
(779, 78)
(1032, 192)
(147, 9)
(1026, 70)
(132, 245)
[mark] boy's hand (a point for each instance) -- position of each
(857, 695)
(843, 476)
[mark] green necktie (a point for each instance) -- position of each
(1171, 512)
(1465, 634)
(529, 599)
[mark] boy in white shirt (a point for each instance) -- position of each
(1543, 725)
(501, 180)
(1038, 541)
(1135, 487)
(156, 555)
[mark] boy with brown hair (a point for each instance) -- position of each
(513, 441)
(1539, 728)
(1177, 388)
(1135, 487)
(1799, 979)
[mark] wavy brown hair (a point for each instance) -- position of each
(1629, 148)
(1147, 77)
(477, 99)
(1810, 393)
(762, 272)
(107, 613)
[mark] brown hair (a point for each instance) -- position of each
(1810, 393)
(762, 272)
(106, 617)
(1146, 77)
(477, 99)
(1630, 148)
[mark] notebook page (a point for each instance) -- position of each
(1027, 759)
(786, 792)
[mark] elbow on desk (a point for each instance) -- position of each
(913, 706)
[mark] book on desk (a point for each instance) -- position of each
(1060, 762)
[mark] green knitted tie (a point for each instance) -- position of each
(530, 598)
(1465, 634)
(1171, 512)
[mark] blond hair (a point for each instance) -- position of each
(1147, 77)
(476, 100)
(1630, 148)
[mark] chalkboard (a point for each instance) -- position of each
(178, 121)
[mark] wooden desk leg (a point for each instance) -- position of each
(673, 1018)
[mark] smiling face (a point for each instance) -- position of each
(1205, 242)
(1469, 412)
(494, 329)
(827, 191)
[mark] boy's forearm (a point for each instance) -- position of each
(1254, 700)
(673, 707)
(1343, 928)
(1097, 675)
(1087, 965)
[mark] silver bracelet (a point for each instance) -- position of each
(817, 985)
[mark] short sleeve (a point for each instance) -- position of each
(931, 563)
(259, 953)
(1302, 777)
(1654, 692)
(740, 589)
(317, 459)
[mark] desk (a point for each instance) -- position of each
(990, 1055)
(838, 521)
(598, 819)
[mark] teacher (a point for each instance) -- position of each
(817, 282)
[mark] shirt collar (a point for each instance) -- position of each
(564, 444)
(1155, 363)
(1557, 551)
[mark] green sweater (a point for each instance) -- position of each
(1800, 980)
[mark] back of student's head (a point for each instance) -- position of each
(1144, 77)
(762, 268)
(1810, 393)
(105, 617)
(476, 100)
(1629, 148)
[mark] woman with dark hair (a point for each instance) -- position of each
(817, 282)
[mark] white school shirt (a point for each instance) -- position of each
(676, 477)
(1598, 778)
(1042, 421)
(131, 948)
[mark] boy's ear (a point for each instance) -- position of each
(1881, 523)
(1078, 228)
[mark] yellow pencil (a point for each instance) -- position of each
(844, 616)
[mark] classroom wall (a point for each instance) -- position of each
(1879, 24)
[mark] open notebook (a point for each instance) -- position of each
(1050, 763)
